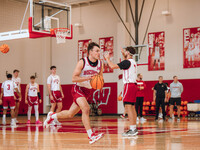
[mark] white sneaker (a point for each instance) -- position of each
(49, 120)
(57, 123)
(160, 115)
(173, 116)
(95, 138)
(3, 122)
(13, 124)
(138, 119)
(143, 119)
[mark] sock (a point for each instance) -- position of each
(29, 112)
(13, 119)
(158, 64)
(89, 132)
(36, 112)
(132, 127)
(4, 118)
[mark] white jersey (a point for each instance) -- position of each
(8, 88)
(87, 71)
(17, 82)
(33, 90)
(130, 74)
(54, 81)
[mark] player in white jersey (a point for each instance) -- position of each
(129, 67)
(31, 98)
(17, 81)
(85, 69)
(157, 56)
(8, 98)
(55, 92)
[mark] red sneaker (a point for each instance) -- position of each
(38, 122)
(95, 138)
(28, 122)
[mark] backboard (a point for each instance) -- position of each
(47, 15)
(142, 54)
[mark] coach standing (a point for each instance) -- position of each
(176, 89)
(159, 95)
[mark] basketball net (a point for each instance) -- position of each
(61, 34)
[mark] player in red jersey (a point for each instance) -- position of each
(31, 98)
(81, 91)
(7, 96)
(129, 67)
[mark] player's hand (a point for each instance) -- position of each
(15, 98)
(141, 88)
(122, 51)
(40, 101)
(62, 95)
(51, 97)
(0, 101)
(88, 78)
(166, 100)
(26, 102)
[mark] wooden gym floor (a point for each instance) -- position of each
(152, 135)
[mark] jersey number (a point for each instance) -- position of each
(8, 87)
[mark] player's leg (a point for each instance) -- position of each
(4, 115)
(132, 115)
(157, 107)
(36, 108)
(53, 106)
(17, 104)
(178, 104)
(171, 107)
(29, 114)
(163, 107)
(141, 109)
(59, 107)
(12, 112)
(159, 63)
(137, 107)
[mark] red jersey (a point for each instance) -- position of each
(140, 93)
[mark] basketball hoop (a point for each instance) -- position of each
(61, 34)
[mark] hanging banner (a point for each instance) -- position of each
(106, 45)
(82, 48)
(191, 47)
(156, 41)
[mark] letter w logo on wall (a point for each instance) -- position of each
(102, 97)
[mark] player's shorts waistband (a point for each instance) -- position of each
(8, 96)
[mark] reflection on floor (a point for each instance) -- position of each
(71, 135)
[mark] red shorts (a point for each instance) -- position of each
(9, 101)
(17, 97)
(57, 97)
(130, 91)
(78, 91)
(32, 100)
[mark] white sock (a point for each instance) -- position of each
(36, 112)
(4, 118)
(132, 127)
(54, 116)
(29, 112)
(158, 64)
(89, 132)
(13, 119)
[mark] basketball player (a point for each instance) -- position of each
(81, 91)
(140, 97)
(31, 98)
(129, 67)
(7, 93)
(55, 92)
(17, 81)
(157, 56)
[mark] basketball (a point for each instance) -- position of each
(119, 98)
(97, 82)
(148, 103)
(4, 48)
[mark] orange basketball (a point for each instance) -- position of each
(4, 48)
(153, 103)
(144, 103)
(143, 113)
(182, 113)
(185, 102)
(152, 108)
(119, 98)
(147, 107)
(181, 107)
(148, 103)
(182, 103)
(185, 107)
(97, 82)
